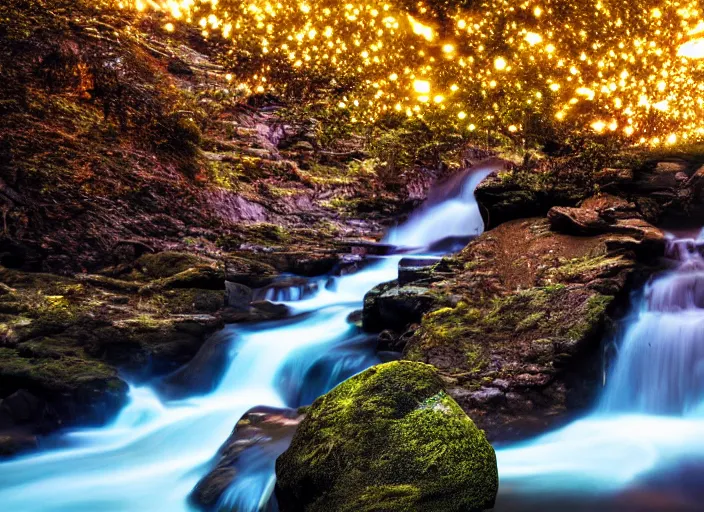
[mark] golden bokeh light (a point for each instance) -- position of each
(605, 66)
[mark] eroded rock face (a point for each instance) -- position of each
(390, 306)
(526, 309)
(388, 439)
(607, 214)
(652, 190)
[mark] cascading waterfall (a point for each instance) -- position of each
(453, 217)
(154, 453)
(643, 448)
(660, 369)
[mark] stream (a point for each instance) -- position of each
(641, 449)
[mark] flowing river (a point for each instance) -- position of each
(641, 450)
(151, 457)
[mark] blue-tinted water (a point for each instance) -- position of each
(155, 452)
(643, 448)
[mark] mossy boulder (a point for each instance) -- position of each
(388, 439)
(530, 190)
(74, 388)
(520, 315)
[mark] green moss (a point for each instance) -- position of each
(264, 233)
(327, 175)
(167, 263)
(465, 337)
(389, 435)
(188, 300)
(530, 321)
(57, 374)
(574, 269)
(593, 317)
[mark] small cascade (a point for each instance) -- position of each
(291, 289)
(645, 441)
(155, 452)
(660, 366)
(455, 218)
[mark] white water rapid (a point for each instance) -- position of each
(153, 454)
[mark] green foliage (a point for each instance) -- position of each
(400, 145)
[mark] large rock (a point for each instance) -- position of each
(518, 342)
(68, 341)
(390, 306)
(531, 189)
(388, 439)
(259, 437)
(203, 373)
(655, 189)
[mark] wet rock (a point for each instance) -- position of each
(663, 178)
(389, 341)
(395, 307)
(393, 439)
(14, 443)
(203, 373)
(355, 318)
(238, 296)
(79, 390)
(20, 408)
(288, 288)
(265, 311)
(414, 270)
(262, 432)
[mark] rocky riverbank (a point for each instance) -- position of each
(515, 322)
(136, 180)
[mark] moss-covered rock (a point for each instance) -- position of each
(389, 439)
(64, 340)
(525, 309)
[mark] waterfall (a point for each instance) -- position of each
(660, 368)
(455, 216)
(154, 453)
(649, 424)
